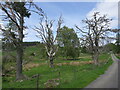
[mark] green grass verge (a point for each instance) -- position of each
(118, 57)
(70, 76)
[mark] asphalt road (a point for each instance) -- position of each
(109, 79)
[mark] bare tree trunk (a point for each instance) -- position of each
(19, 75)
(51, 62)
(95, 58)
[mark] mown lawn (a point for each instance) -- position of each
(67, 73)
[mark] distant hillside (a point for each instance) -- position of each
(30, 43)
(9, 46)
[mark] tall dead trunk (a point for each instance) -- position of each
(19, 75)
(96, 51)
(95, 57)
(51, 62)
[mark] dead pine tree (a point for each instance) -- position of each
(15, 14)
(95, 30)
(45, 32)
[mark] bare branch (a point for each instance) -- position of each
(80, 29)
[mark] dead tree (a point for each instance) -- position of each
(45, 31)
(14, 14)
(96, 29)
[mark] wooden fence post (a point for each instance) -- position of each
(37, 81)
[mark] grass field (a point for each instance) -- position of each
(66, 73)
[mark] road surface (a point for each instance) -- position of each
(109, 79)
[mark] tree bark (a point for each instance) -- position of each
(95, 58)
(96, 51)
(51, 62)
(19, 75)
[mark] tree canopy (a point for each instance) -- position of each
(69, 41)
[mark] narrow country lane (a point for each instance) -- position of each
(109, 79)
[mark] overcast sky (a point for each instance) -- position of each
(72, 13)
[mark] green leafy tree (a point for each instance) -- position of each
(68, 41)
